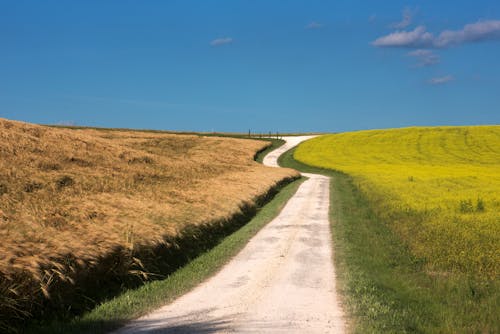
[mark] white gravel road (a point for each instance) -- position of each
(283, 281)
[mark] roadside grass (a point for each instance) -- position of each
(385, 288)
(134, 303)
(275, 143)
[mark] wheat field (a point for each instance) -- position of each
(71, 197)
(437, 187)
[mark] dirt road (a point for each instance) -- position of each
(283, 281)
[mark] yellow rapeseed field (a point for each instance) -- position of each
(437, 187)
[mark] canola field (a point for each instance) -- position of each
(437, 187)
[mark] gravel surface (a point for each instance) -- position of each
(283, 281)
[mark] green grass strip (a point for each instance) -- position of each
(134, 303)
(275, 143)
(384, 287)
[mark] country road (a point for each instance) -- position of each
(283, 281)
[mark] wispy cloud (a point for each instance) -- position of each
(441, 80)
(407, 19)
(421, 38)
(221, 41)
(417, 38)
(314, 25)
(372, 18)
(424, 57)
(474, 32)
(66, 123)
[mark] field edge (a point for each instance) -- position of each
(134, 303)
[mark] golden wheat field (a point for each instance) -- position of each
(69, 198)
(437, 187)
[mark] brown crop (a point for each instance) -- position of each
(81, 193)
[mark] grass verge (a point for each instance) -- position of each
(384, 286)
(275, 143)
(134, 303)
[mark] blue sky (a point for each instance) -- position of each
(262, 65)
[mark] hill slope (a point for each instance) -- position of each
(438, 187)
(77, 203)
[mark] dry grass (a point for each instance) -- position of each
(70, 198)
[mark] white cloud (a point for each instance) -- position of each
(408, 14)
(441, 80)
(475, 32)
(424, 57)
(314, 25)
(420, 38)
(417, 38)
(221, 41)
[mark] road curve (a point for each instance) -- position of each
(283, 281)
